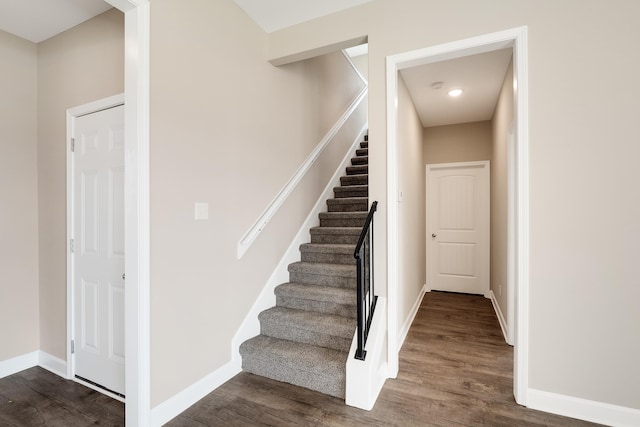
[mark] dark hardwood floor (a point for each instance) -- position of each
(455, 370)
(37, 397)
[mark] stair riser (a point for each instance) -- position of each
(272, 367)
(354, 180)
(318, 306)
(364, 144)
(341, 239)
(362, 152)
(359, 206)
(328, 258)
(319, 279)
(342, 222)
(342, 192)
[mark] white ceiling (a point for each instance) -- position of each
(37, 20)
(479, 76)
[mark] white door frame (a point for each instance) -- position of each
(136, 221)
(517, 39)
(486, 213)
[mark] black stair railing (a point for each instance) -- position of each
(365, 293)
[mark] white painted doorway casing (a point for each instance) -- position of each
(518, 209)
(457, 229)
(98, 247)
(136, 217)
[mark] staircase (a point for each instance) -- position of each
(305, 339)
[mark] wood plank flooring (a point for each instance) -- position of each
(37, 397)
(455, 370)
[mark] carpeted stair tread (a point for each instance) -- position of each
(351, 191)
(309, 366)
(335, 235)
(315, 273)
(360, 160)
(317, 293)
(364, 144)
(341, 270)
(317, 298)
(321, 329)
(343, 219)
(348, 204)
(357, 170)
(361, 179)
(362, 152)
(327, 253)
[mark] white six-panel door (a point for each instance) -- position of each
(458, 227)
(98, 232)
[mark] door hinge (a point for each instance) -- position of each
(73, 346)
(71, 245)
(73, 145)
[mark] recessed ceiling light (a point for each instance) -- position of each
(455, 92)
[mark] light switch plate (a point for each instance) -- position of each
(202, 211)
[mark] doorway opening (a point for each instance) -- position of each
(518, 229)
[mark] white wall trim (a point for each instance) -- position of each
(501, 320)
(250, 326)
(520, 337)
(18, 363)
(52, 364)
(402, 335)
(137, 221)
(517, 39)
(254, 231)
(588, 410)
(175, 405)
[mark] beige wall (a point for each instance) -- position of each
(229, 129)
(18, 197)
(583, 154)
(83, 64)
(362, 63)
(500, 125)
(411, 210)
(464, 142)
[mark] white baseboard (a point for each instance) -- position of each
(503, 323)
(583, 409)
(18, 363)
(177, 404)
(52, 364)
(409, 320)
(250, 326)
